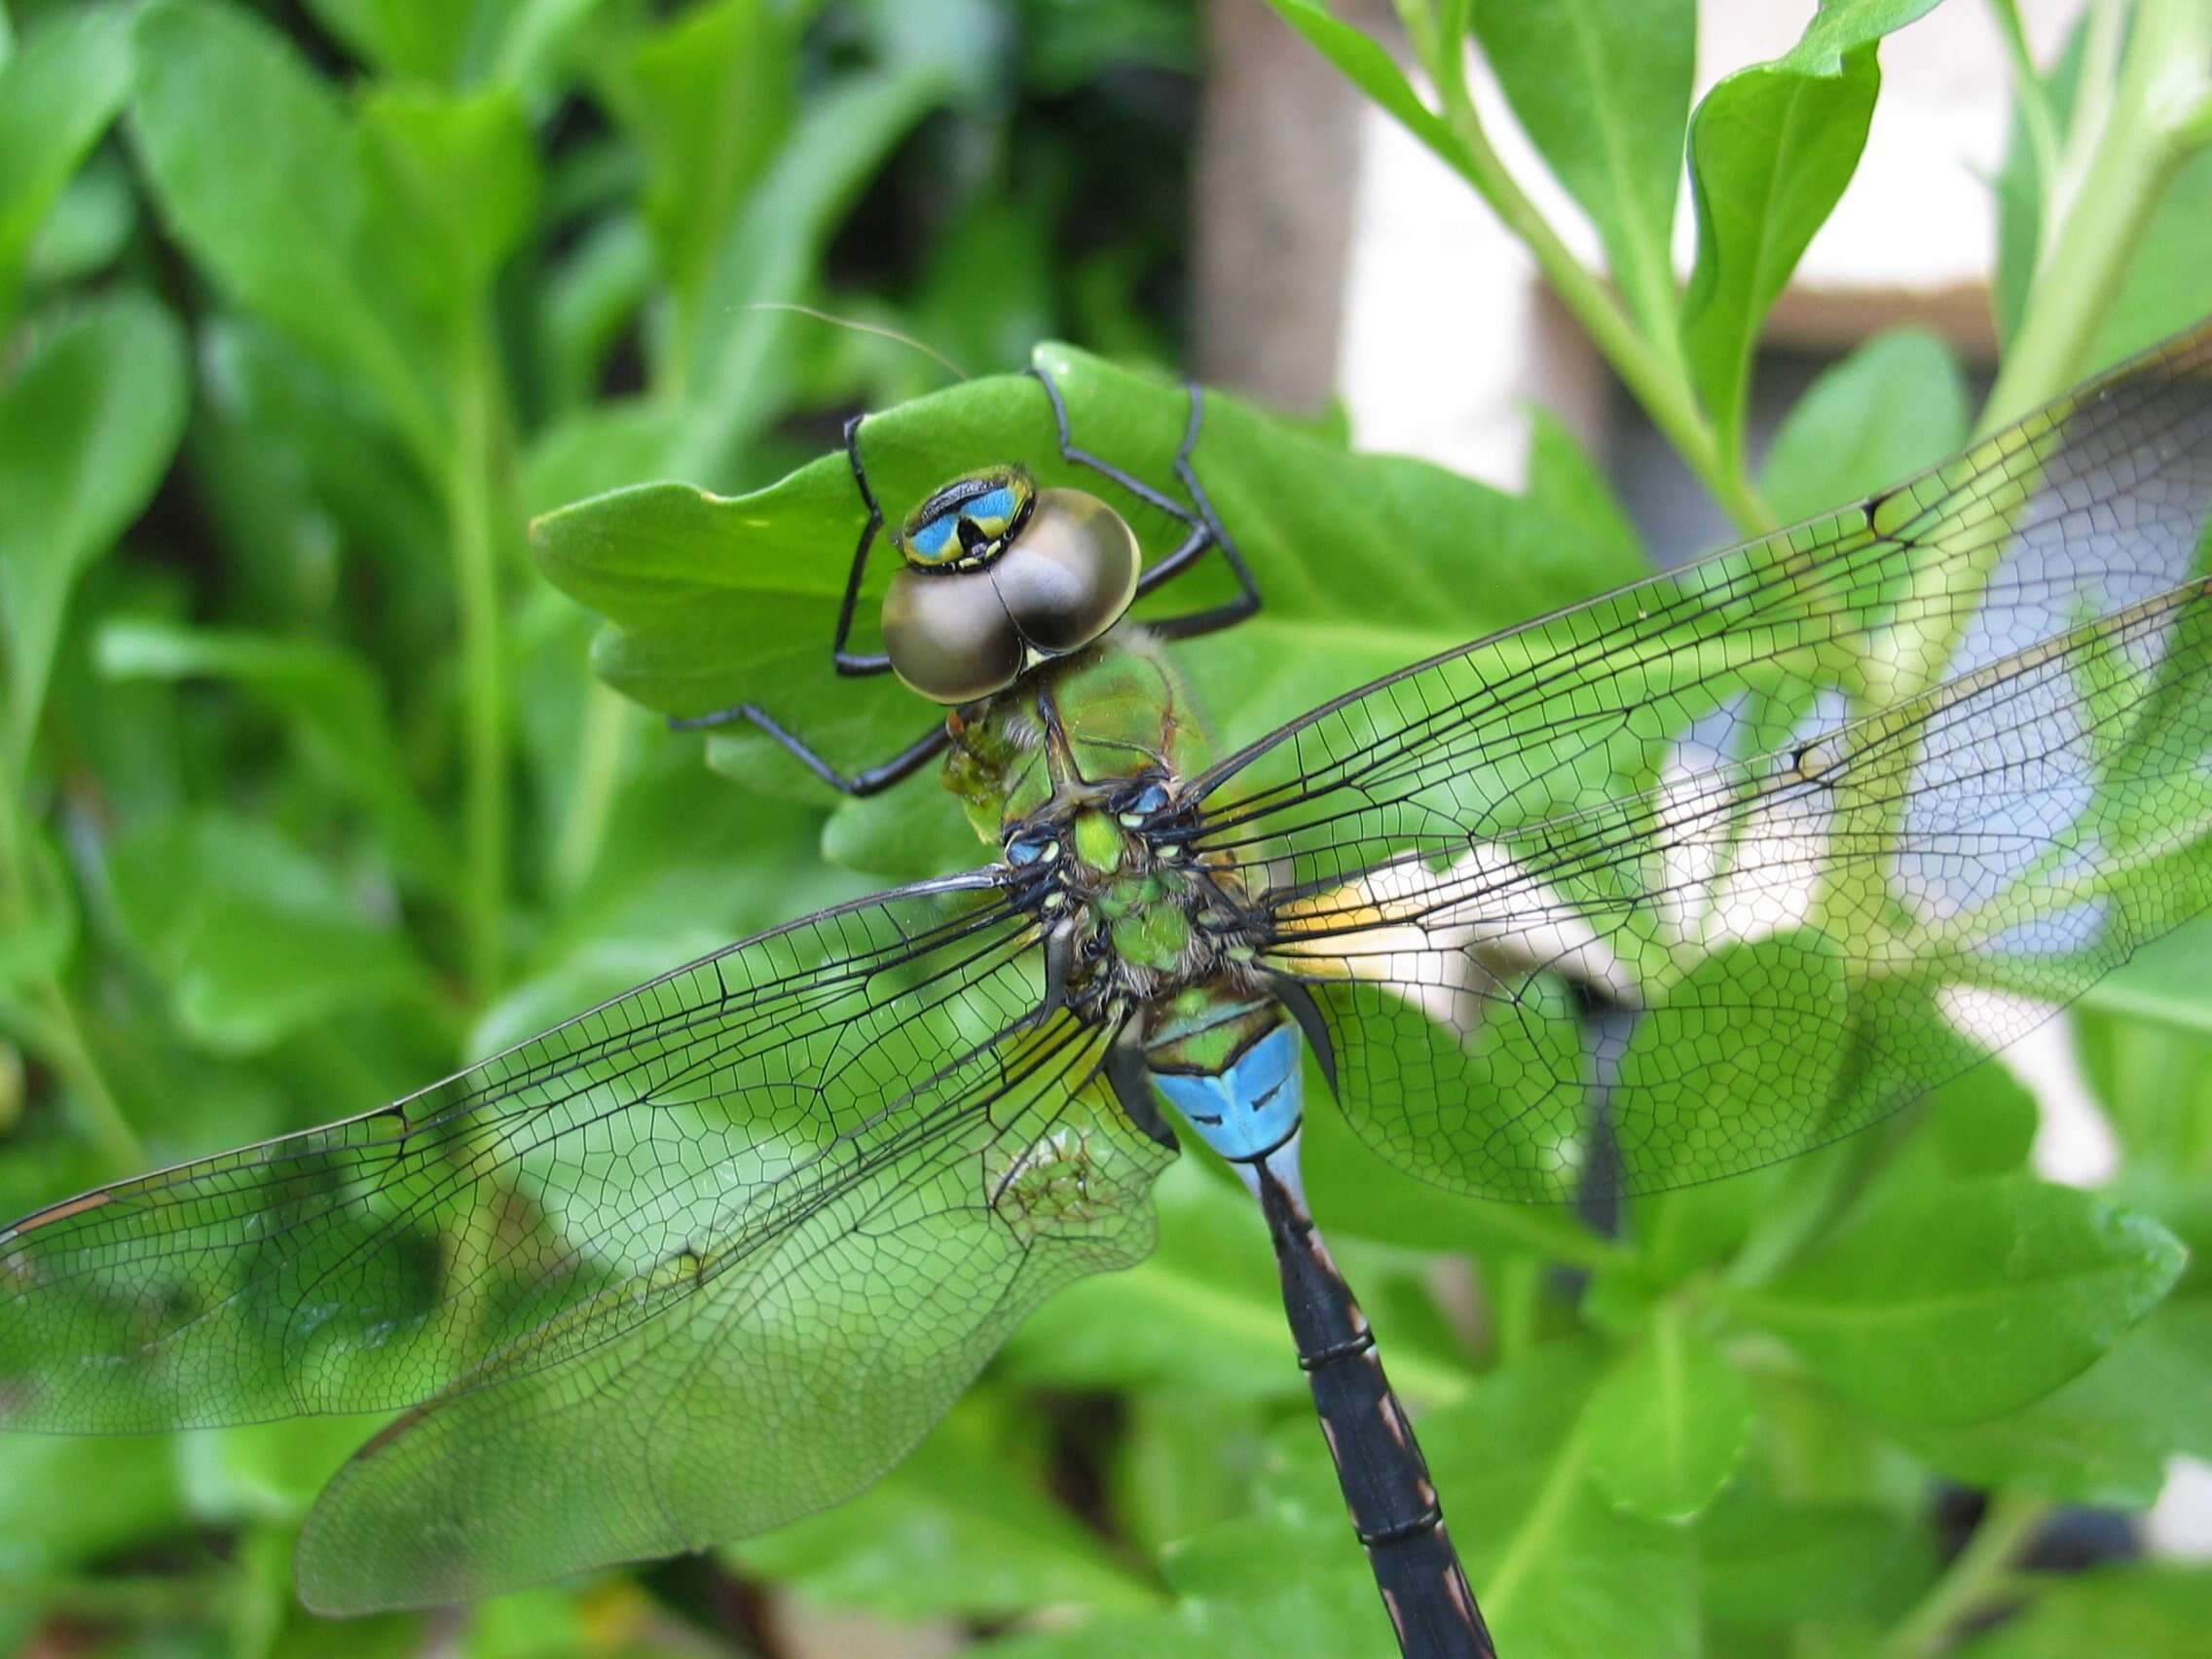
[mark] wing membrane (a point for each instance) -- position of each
(772, 1378)
(1960, 732)
(556, 1199)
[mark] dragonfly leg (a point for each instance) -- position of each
(1132, 1082)
(1202, 525)
(873, 781)
(1295, 997)
(851, 661)
(908, 760)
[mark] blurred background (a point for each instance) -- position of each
(308, 306)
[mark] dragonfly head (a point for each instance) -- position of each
(996, 574)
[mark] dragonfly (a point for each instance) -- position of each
(717, 1252)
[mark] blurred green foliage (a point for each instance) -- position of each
(309, 308)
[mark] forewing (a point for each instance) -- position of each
(1771, 802)
(583, 1189)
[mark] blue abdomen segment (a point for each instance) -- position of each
(1251, 1108)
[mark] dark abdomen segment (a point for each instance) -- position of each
(1384, 1478)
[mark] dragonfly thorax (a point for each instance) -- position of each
(998, 576)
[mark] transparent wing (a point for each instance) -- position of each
(1774, 801)
(704, 1258)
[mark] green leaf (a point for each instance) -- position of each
(589, 295)
(1770, 152)
(961, 1526)
(285, 227)
(87, 429)
(1776, 1565)
(1360, 1192)
(415, 42)
(1948, 1304)
(1603, 89)
(2106, 1437)
(1667, 1422)
(118, 1492)
(89, 226)
(1202, 1312)
(36, 942)
(461, 42)
(1558, 1571)
(1842, 27)
(1362, 61)
(332, 701)
(58, 94)
(2146, 1610)
(710, 97)
(1564, 480)
(456, 179)
(253, 940)
(1254, 1588)
(2168, 981)
(769, 253)
(1896, 404)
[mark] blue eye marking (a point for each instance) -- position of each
(990, 512)
(931, 540)
(992, 504)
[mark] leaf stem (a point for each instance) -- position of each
(2123, 152)
(1982, 1570)
(58, 1037)
(607, 726)
(473, 507)
(2030, 97)
(1654, 374)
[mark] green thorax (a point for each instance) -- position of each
(1123, 712)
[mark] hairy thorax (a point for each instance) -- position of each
(1078, 774)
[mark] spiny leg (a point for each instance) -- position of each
(1202, 527)
(908, 760)
(871, 781)
(847, 661)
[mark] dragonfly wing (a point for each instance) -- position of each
(1771, 803)
(753, 1382)
(814, 1160)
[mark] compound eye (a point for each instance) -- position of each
(947, 635)
(1071, 574)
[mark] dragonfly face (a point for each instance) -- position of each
(997, 575)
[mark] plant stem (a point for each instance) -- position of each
(1981, 1569)
(474, 510)
(2029, 95)
(1516, 1289)
(606, 736)
(59, 1036)
(2135, 142)
(1653, 374)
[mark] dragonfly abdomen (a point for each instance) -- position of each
(1251, 1110)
